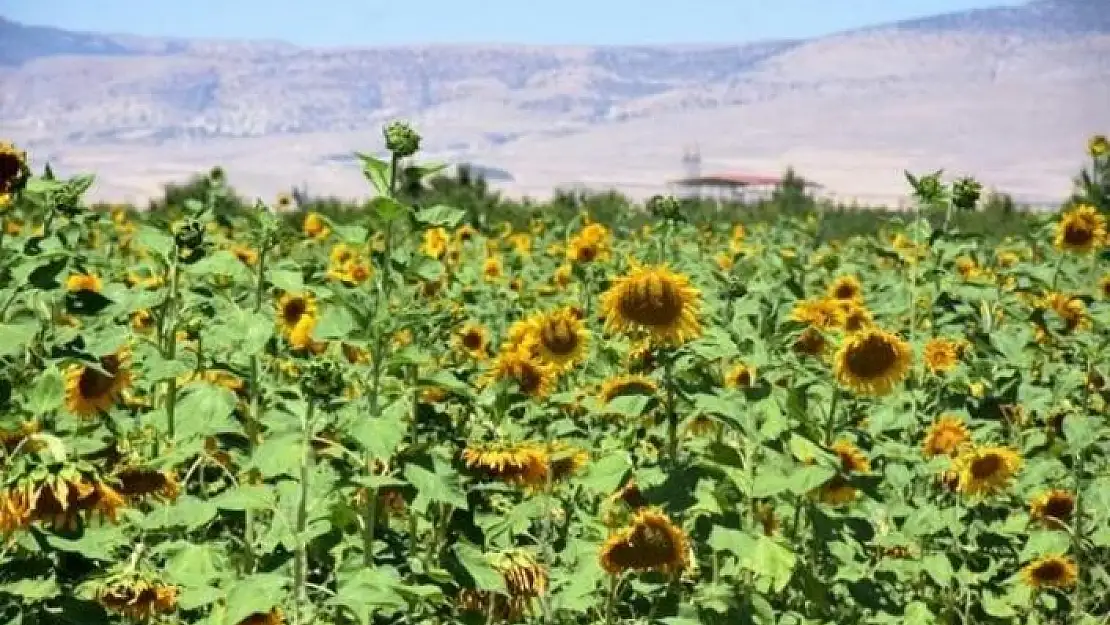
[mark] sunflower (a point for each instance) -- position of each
(872, 362)
(822, 313)
(837, 491)
(465, 233)
(297, 318)
(561, 338)
(90, 390)
(83, 283)
(656, 300)
(473, 339)
(765, 514)
(524, 576)
(562, 275)
(810, 342)
(137, 483)
(491, 607)
(245, 254)
(142, 321)
(521, 243)
(435, 242)
(522, 464)
(625, 385)
(1053, 508)
(846, 288)
(138, 599)
(942, 355)
(1080, 230)
(589, 245)
(14, 171)
(1104, 286)
(852, 316)
(274, 617)
(346, 265)
(984, 471)
(1098, 146)
(945, 437)
(701, 425)
(315, 226)
(532, 376)
(1072, 310)
(1054, 571)
(740, 375)
(492, 269)
(651, 542)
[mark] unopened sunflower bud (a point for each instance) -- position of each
(401, 139)
(965, 193)
(322, 380)
(1098, 146)
(665, 207)
(189, 238)
(216, 175)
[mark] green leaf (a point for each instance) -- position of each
(221, 263)
(203, 410)
(335, 323)
(917, 613)
(1044, 543)
(15, 337)
(441, 215)
(47, 393)
(1080, 431)
(32, 590)
(97, 543)
(387, 209)
(628, 405)
(286, 280)
(996, 606)
(938, 567)
(772, 561)
(256, 594)
(187, 512)
(381, 436)
(807, 478)
(278, 455)
(605, 475)
(376, 171)
(157, 368)
(154, 240)
(478, 567)
(440, 487)
(246, 497)
(731, 540)
(195, 566)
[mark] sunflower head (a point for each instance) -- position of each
(846, 288)
(83, 283)
(853, 316)
(138, 598)
(274, 617)
(650, 542)
(14, 171)
(294, 308)
(656, 301)
(945, 437)
(435, 242)
(523, 574)
(1054, 508)
(522, 464)
(92, 389)
(624, 385)
(521, 366)
(589, 245)
(492, 269)
(1098, 146)
(473, 339)
(810, 342)
(1081, 230)
(943, 355)
(985, 470)
(823, 313)
(741, 376)
(1053, 571)
(852, 459)
(315, 226)
(561, 338)
(872, 362)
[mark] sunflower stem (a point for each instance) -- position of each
(300, 562)
(169, 337)
(830, 420)
(672, 410)
(254, 416)
(1077, 538)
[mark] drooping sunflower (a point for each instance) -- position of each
(274, 617)
(1072, 310)
(945, 437)
(245, 254)
(473, 339)
(943, 355)
(810, 342)
(90, 390)
(14, 171)
(1053, 508)
(846, 288)
(624, 385)
(142, 321)
(651, 542)
(741, 375)
(837, 491)
(654, 300)
(872, 361)
(83, 282)
(822, 313)
(1053, 571)
(1081, 230)
(532, 376)
(138, 599)
(561, 338)
(521, 464)
(985, 470)
(136, 483)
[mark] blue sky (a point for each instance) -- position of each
(374, 22)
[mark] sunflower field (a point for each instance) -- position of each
(412, 415)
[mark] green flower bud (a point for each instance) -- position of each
(401, 139)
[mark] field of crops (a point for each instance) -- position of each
(409, 414)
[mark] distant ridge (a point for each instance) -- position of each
(1037, 17)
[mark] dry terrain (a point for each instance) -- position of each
(1009, 94)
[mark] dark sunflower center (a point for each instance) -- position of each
(871, 358)
(528, 377)
(986, 467)
(1059, 508)
(744, 378)
(845, 291)
(810, 342)
(1078, 233)
(559, 337)
(9, 171)
(294, 310)
(652, 302)
(629, 388)
(587, 252)
(1049, 571)
(472, 340)
(141, 482)
(94, 384)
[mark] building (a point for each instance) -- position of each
(730, 187)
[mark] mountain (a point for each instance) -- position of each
(1008, 93)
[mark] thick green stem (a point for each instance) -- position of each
(672, 409)
(169, 337)
(255, 415)
(300, 561)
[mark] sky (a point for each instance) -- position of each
(374, 22)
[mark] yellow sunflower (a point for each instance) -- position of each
(83, 282)
(945, 437)
(1104, 286)
(823, 313)
(473, 339)
(274, 617)
(985, 470)
(1053, 508)
(846, 288)
(1054, 571)
(492, 269)
(872, 362)
(520, 365)
(561, 338)
(943, 355)
(651, 542)
(562, 275)
(521, 464)
(1071, 309)
(810, 342)
(245, 254)
(142, 321)
(655, 300)
(297, 314)
(435, 242)
(14, 171)
(589, 245)
(138, 599)
(465, 233)
(1098, 146)
(740, 375)
(624, 385)
(837, 491)
(315, 226)
(1081, 230)
(852, 316)
(90, 390)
